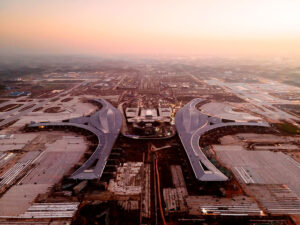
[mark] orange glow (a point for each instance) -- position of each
(192, 27)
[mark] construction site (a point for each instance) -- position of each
(110, 148)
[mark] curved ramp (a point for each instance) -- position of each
(105, 124)
(191, 124)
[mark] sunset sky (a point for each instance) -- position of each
(178, 27)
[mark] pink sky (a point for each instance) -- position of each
(180, 27)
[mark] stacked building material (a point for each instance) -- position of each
(239, 206)
(51, 210)
(146, 195)
(127, 186)
(277, 199)
(129, 205)
(175, 197)
(11, 175)
(128, 180)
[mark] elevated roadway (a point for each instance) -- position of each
(105, 124)
(191, 124)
